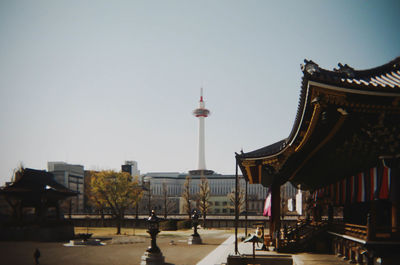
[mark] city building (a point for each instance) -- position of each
(72, 177)
(220, 186)
(131, 167)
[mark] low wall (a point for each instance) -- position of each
(260, 259)
(211, 221)
(37, 233)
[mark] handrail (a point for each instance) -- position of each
(361, 231)
(297, 236)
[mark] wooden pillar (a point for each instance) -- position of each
(247, 210)
(275, 223)
(359, 256)
(395, 198)
(345, 251)
(394, 217)
(340, 248)
(371, 224)
(352, 254)
(338, 251)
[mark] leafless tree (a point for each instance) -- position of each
(241, 199)
(187, 196)
(168, 203)
(204, 198)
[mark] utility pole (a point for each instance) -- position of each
(149, 197)
(247, 209)
(236, 209)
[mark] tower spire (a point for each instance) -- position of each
(201, 112)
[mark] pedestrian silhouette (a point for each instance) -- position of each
(36, 256)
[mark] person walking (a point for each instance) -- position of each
(36, 256)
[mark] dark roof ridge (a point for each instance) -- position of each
(312, 72)
(310, 68)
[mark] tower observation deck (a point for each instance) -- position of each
(201, 112)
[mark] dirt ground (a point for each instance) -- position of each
(119, 250)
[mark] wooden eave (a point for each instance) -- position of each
(35, 184)
(338, 130)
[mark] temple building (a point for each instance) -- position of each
(34, 197)
(344, 148)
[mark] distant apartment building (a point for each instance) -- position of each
(72, 177)
(170, 185)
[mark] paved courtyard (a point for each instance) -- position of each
(128, 248)
(119, 250)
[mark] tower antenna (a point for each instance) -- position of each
(201, 112)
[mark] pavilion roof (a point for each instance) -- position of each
(37, 181)
(346, 120)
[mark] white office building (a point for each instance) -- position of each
(72, 177)
(220, 186)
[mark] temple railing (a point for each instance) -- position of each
(366, 232)
(298, 238)
(357, 231)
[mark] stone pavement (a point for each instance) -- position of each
(219, 255)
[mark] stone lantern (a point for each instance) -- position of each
(195, 237)
(153, 254)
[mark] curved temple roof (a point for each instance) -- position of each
(34, 181)
(346, 120)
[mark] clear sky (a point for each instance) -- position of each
(100, 82)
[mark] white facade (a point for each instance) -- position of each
(201, 112)
(220, 187)
(72, 177)
(202, 153)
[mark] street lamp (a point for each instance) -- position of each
(153, 254)
(153, 229)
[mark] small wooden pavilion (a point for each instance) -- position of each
(344, 148)
(34, 197)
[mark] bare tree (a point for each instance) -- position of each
(241, 199)
(168, 203)
(204, 198)
(187, 196)
(138, 198)
(147, 187)
(12, 202)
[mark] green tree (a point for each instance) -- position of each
(204, 198)
(117, 191)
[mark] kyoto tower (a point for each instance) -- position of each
(201, 112)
